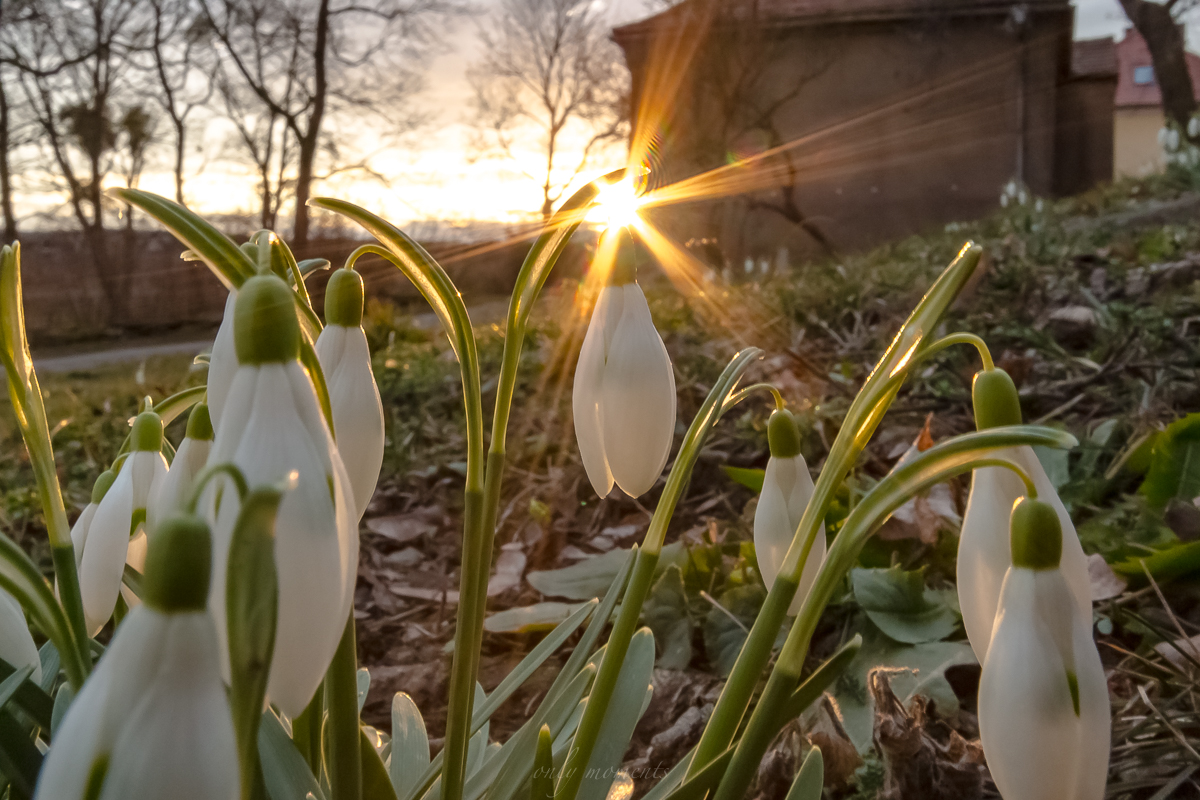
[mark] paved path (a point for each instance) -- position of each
(121, 354)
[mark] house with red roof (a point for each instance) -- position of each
(817, 125)
(1138, 114)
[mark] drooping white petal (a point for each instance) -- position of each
(787, 488)
(984, 553)
(223, 363)
(175, 489)
(638, 398)
(16, 643)
(103, 562)
(95, 717)
(79, 532)
(357, 410)
(135, 556)
(589, 377)
(178, 740)
(148, 469)
(278, 431)
(1027, 722)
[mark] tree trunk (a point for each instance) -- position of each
(6, 204)
(310, 138)
(180, 141)
(1164, 38)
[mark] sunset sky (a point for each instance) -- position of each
(436, 174)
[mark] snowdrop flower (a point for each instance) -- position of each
(272, 429)
(175, 490)
(1043, 699)
(983, 547)
(117, 534)
(222, 362)
(79, 531)
(16, 643)
(787, 488)
(624, 395)
(153, 720)
(346, 362)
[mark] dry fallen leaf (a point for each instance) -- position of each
(401, 529)
(1105, 582)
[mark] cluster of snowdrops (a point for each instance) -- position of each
(227, 564)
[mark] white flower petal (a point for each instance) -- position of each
(148, 470)
(787, 488)
(357, 410)
(103, 561)
(175, 489)
(1027, 724)
(984, 553)
(16, 643)
(223, 363)
(97, 713)
(585, 396)
(79, 532)
(638, 399)
(312, 544)
(135, 557)
(178, 740)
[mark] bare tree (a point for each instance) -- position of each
(303, 61)
(6, 146)
(550, 65)
(1159, 25)
(182, 66)
(71, 59)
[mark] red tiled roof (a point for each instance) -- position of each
(1094, 57)
(1133, 53)
(818, 11)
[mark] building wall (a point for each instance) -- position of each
(1136, 150)
(1085, 133)
(900, 127)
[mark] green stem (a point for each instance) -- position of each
(306, 731)
(985, 355)
(742, 394)
(341, 698)
(573, 772)
(67, 577)
(865, 413)
(226, 468)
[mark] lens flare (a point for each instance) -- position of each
(616, 206)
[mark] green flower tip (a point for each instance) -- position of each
(102, 485)
(147, 432)
(265, 328)
(783, 434)
(1036, 535)
(994, 396)
(344, 299)
(624, 268)
(178, 563)
(199, 425)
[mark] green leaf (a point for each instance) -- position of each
(624, 709)
(410, 745)
(1174, 463)
(226, 260)
(251, 592)
(364, 686)
(920, 669)
(723, 635)
(171, 407)
(593, 576)
(376, 784)
(820, 680)
(810, 780)
(531, 619)
(284, 770)
(541, 784)
(62, 702)
(666, 613)
(900, 605)
(752, 479)
(311, 265)
(1165, 565)
(1056, 463)
(51, 665)
(20, 760)
(29, 697)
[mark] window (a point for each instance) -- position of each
(1143, 75)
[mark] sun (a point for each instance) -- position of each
(616, 205)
